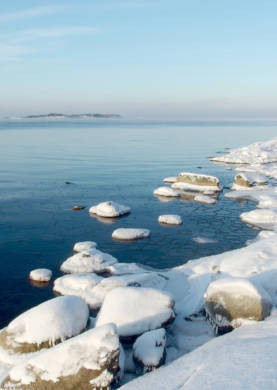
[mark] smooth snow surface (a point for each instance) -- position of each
(149, 347)
(135, 310)
(84, 246)
(170, 219)
(127, 234)
(41, 275)
(204, 199)
(88, 261)
(56, 319)
(166, 191)
(109, 209)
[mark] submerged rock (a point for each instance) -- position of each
(109, 209)
(45, 325)
(170, 219)
(230, 301)
(166, 191)
(129, 234)
(88, 361)
(205, 199)
(41, 275)
(149, 350)
(76, 208)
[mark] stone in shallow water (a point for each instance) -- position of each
(166, 191)
(129, 234)
(248, 180)
(229, 301)
(41, 275)
(196, 182)
(264, 218)
(170, 219)
(84, 246)
(136, 310)
(170, 179)
(149, 350)
(109, 209)
(87, 361)
(46, 324)
(205, 199)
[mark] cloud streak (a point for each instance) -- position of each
(29, 13)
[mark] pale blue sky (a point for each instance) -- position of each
(179, 59)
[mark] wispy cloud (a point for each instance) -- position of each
(58, 32)
(30, 13)
(13, 53)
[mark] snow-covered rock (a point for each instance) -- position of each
(196, 182)
(170, 179)
(87, 361)
(136, 310)
(204, 199)
(149, 349)
(166, 191)
(88, 261)
(170, 219)
(41, 275)
(84, 246)
(128, 234)
(248, 180)
(229, 301)
(263, 218)
(45, 325)
(257, 153)
(109, 209)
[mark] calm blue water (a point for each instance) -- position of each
(104, 160)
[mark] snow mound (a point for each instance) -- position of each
(50, 322)
(136, 310)
(170, 219)
(109, 209)
(165, 191)
(128, 234)
(204, 199)
(88, 361)
(88, 261)
(263, 218)
(170, 179)
(41, 275)
(228, 301)
(84, 246)
(149, 349)
(257, 153)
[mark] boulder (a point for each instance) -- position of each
(149, 350)
(41, 275)
(109, 209)
(166, 191)
(230, 301)
(247, 180)
(84, 246)
(87, 361)
(129, 234)
(197, 181)
(170, 219)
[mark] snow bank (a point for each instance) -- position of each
(166, 191)
(88, 261)
(128, 234)
(136, 310)
(205, 199)
(88, 361)
(170, 219)
(50, 322)
(257, 153)
(149, 349)
(41, 275)
(84, 246)
(109, 209)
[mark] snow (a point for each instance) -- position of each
(149, 347)
(179, 185)
(135, 310)
(170, 219)
(257, 153)
(53, 320)
(41, 275)
(170, 179)
(92, 260)
(166, 191)
(263, 218)
(90, 350)
(127, 234)
(84, 246)
(109, 209)
(205, 199)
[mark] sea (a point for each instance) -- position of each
(49, 166)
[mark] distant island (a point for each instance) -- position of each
(53, 115)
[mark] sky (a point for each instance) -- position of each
(155, 59)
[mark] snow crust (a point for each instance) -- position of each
(84, 246)
(166, 191)
(204, 199)
(170, 219)
(56, 319)
(92, 260)
(135, 310)
(149, 347)
(109, 209)
(41, 275)
(127, 234)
